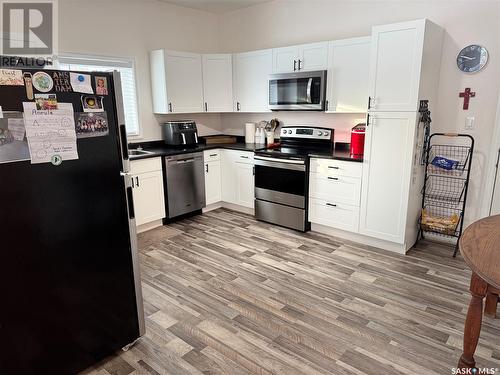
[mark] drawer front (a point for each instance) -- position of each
(211, 155)
(145, 165)
(340, 189)
(330, 167)
(334, 214)
(240, 156)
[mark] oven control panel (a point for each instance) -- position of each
(306, 132)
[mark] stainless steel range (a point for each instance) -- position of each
(282, 176)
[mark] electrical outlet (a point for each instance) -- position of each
(469, 123)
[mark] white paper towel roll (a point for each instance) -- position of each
(250, 132)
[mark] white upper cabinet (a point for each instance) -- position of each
(313, 56)
(348, 70)
(217, 82)
(250, 80)
(176, 82)
(403, 55)
(387, 169)
(285, 59)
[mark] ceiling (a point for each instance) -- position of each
(216, 6)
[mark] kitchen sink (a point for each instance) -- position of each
(138, 152)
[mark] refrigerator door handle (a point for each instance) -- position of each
(120, 118)
(127, 179)
(130, 201)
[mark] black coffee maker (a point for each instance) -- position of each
(180, 133)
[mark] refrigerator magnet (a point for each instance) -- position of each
(42, 82)
(80, 83)
(46, 102)
(61, 82)
(91, 125)
(11, 77)
(101, 85)
(28, 83)
(92, 103)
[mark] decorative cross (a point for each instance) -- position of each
(467, 94)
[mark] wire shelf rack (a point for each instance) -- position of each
(444, 193)
(449, 190)
(460, 154)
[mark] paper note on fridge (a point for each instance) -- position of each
(81, 83)
(50, 133)
(11, 77)
(16, 128)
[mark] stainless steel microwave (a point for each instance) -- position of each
(298, 91)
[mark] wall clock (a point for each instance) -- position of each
(472, 59)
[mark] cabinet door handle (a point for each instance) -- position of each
(327, 105)
(133, 182)
(331, 205)
(170, 107)
(237, 106)
(253, 171)
(206, 107)
(369, 102)
(137, 181)
(333, 178)
(300, 61)
(333, 167)
(206, 168)
(294, 65)
(367, 119)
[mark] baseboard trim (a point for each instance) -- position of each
(361, 239)
(149, 226)
(236, 207)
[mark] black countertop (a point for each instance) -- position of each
(157, 149)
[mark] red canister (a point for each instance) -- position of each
(358, 140)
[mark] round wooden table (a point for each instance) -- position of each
(480, 248)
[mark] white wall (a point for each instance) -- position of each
(134, 27)
(131, 28)
(281, 23)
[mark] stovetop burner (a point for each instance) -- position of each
(294, 152)
(299, 142)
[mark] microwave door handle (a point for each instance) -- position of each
(309, 86)
(183, 138)
(195, 137)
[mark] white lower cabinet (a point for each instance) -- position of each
(148, 194)
(213, 183)
(334, 214)
(238, 177)
(387, 176)
(335, 193)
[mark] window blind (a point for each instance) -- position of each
(106, 64)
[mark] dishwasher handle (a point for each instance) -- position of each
(182, 161)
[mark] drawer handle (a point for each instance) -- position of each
(333, 167)
(244, 157)
(333, 178)
(331, 205)
(212, 155)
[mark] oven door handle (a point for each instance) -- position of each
(278, 160)
(277, 163)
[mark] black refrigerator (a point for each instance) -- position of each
(69, 273)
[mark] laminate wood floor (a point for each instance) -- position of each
(225, 294)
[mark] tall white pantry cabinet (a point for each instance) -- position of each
(404, 69)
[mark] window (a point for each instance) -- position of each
(104, 64)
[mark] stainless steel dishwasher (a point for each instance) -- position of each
(185, 183)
